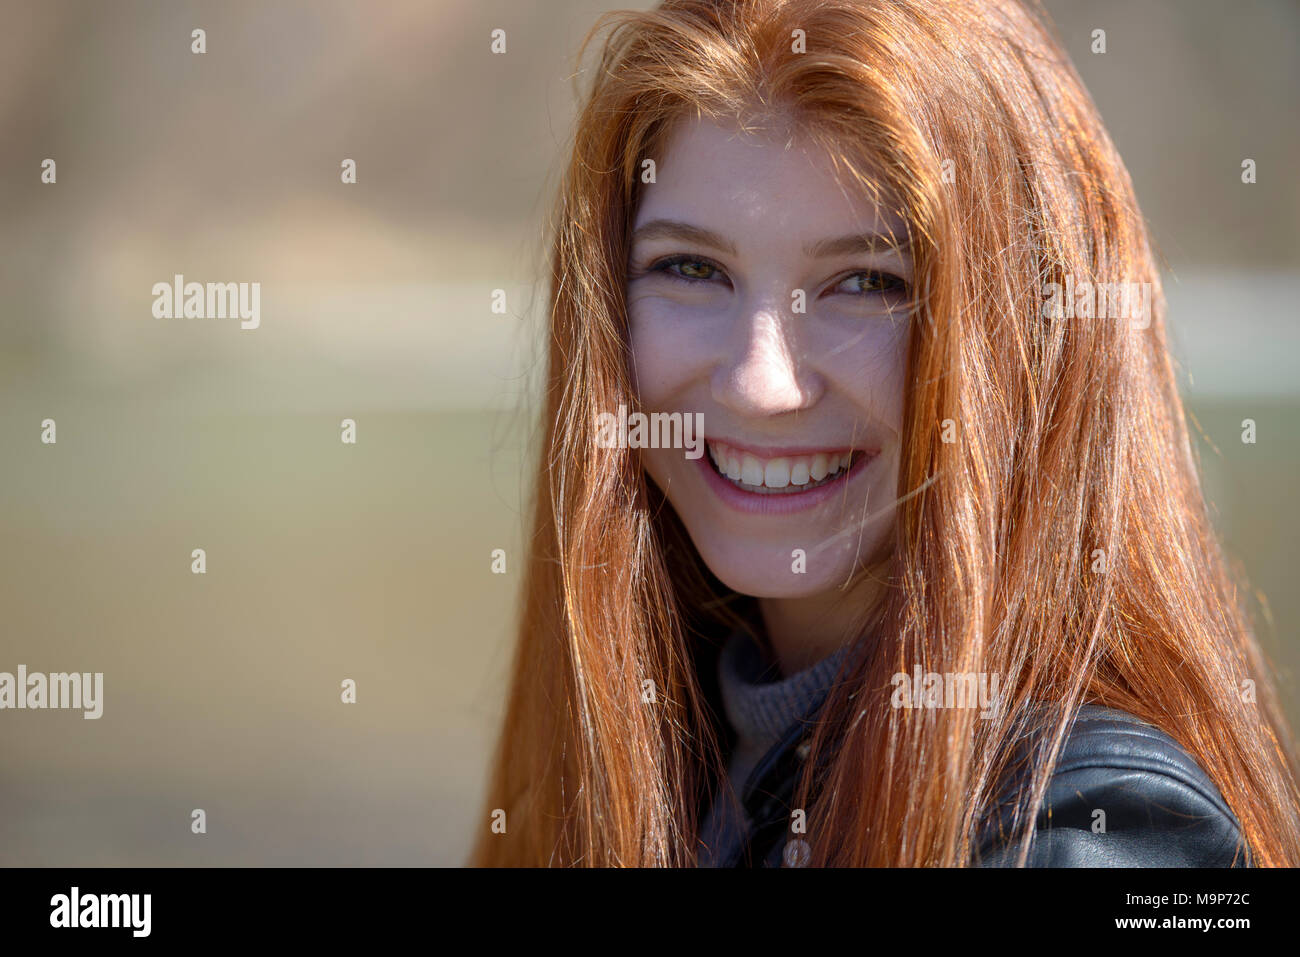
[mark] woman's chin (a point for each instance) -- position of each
(778, 577)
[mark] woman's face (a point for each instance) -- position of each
(773, 301)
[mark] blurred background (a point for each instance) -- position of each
(371, 561)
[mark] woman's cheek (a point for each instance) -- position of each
(659, 465)
(871, 373)
(662, 349)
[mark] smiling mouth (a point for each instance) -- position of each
(783, 475)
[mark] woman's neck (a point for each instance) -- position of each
(803, 631)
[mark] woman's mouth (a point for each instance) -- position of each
(783, 475)
(779, 483)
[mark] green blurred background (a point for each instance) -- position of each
(328, 561)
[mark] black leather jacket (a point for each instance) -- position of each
(1161, 810)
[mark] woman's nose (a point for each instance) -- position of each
(762, 373)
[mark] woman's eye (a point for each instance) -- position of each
(696, 270)
(687, 268)
(861, 283)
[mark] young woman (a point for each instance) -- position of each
(943, 590)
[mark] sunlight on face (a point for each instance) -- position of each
(764, 295)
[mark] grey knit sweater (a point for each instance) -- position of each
(760, 708)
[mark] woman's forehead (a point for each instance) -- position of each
(774, 179)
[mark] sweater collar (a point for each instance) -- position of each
(759, 704)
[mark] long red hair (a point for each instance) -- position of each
(1071, 449)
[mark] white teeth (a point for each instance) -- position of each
(777, 473)
(782, 472)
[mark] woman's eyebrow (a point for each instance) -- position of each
(839, 246)
(858, 243)
(672, 229)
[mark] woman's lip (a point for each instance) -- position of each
(787, 451)
(755, 503)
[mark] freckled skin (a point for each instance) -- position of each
(728, 344)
